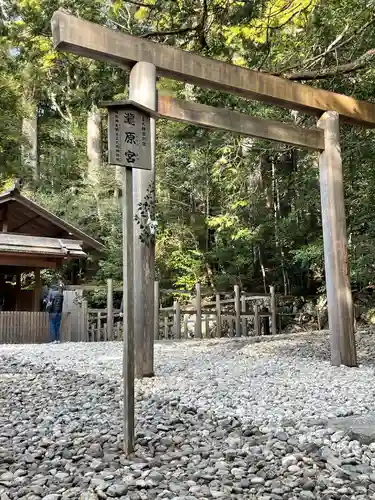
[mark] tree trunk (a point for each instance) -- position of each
(94, 145)
(262, 269)
(118, 188)
(266, 176)
(277, 216)
(30, 150)
(94, 153)
(207, 208)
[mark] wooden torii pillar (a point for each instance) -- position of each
(81, 37)
(339, 296)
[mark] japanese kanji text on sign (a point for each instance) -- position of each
(129, 136)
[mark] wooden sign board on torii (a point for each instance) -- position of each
(146, 60)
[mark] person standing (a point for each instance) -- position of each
(54, 306)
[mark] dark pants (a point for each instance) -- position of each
(54, 326)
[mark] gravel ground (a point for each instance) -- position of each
(221, 419)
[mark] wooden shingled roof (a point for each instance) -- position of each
(40, 246)
(26, 217)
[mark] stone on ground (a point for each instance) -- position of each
(360, 428)
(226, 419)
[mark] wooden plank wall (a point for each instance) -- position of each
(22, 327)
(77, 307)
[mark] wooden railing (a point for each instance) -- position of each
(243, 314)
(98, 328)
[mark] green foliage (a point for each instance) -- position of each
(10, 114)
(229, 209)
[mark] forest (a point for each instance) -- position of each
(229, 210)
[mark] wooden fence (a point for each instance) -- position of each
(18, 327)
(243, 314)
(100, 329)
(93, 325)
(234, 316)
(229, 315)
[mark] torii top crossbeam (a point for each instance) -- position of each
(97, 42)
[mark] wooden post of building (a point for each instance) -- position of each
(237, 309)
(198, 312)
(339, 297)
(256, 321)
(142, 89)
(273, 311)
(177, 319)
(37, 290)
(243, 310)
(218, 315)
(156, 309)
(109, 309)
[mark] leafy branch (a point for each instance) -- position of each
(145, 216)
(198, 29)
(141, 4)
(335, 45)
(349, 67)
(180, 31)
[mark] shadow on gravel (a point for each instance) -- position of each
(236, 345)
(317, 346)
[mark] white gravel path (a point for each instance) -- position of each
(221, 419)
(264, 382)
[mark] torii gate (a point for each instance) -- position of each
(147, 60)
